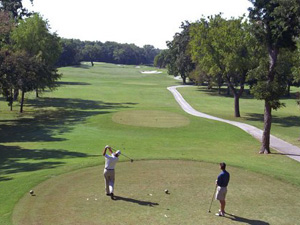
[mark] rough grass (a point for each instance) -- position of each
(78, 197)
(63, 130)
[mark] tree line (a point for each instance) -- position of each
(30, 53)
(261, 51)
(74, 51)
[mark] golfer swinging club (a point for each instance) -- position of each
(222, 183)
(109, 170)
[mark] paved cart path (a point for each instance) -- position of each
(279, 145)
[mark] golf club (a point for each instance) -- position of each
(212, 198)
(131, 160)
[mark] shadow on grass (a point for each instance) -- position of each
(244, 220)
(223, 93)
(45, 124)
(82, 66)
(288, 121)
(71, 83)
(140, 202)
(14, 159)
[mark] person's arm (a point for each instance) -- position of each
(109, 149)
(219, 180)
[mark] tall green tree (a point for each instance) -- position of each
(15, 7)
(179, 60)
(6, 26)
(223, 50)
(276, 24)
(19, 71)
(162, 59)
(33, 36)
(71, 53)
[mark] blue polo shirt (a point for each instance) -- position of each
(223, 179)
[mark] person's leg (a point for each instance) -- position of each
(223, 203)
(221, 194)
(112, 181)
(106, 181)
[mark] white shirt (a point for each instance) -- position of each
(110, 161)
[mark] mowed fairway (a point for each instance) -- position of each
(78, 197)
(54, 148)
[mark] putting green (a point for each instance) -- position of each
(150, 118)
(78, 197)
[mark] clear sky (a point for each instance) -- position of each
(130, 21)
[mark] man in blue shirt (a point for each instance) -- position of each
(222, 183)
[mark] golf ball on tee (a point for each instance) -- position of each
(166, 191)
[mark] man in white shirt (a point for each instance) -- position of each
(109, 170)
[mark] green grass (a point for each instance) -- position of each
(64, 129)
(285, 122)
(74, 198)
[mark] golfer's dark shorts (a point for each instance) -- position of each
(221, 193)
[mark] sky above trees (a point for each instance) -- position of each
(130, 21)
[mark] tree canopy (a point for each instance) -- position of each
(276, 26)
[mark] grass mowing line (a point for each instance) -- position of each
(78, 197)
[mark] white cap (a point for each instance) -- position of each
(118, 152)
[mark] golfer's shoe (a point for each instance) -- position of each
(219, 214)
(112, 196)
(107, 194)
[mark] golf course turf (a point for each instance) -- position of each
(79, 198)
(55, 147)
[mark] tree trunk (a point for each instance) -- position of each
(11, 100)
(237, 95)
(228, 90)
(22, 101)
(288, 94)
(265, 147)
(237, 106)
(16, 94)
(37, 92)
(183, 79)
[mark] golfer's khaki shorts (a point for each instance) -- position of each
(221, 193)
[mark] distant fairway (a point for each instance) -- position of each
(54, 148)
(78, 197)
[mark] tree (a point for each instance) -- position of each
(6, 26)
(32, 35)
(89, 52)
(149, 53)
(71, 53)
(15, 7)
(276, 24)
(180, 62)
(162, 59)
(20, 71)
(223, 51)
